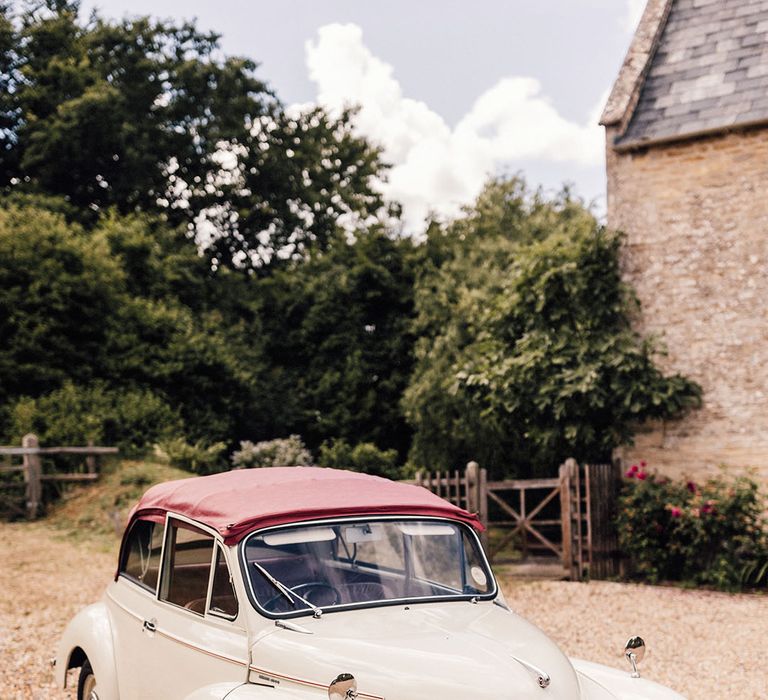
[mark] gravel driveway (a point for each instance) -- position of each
(706, 645)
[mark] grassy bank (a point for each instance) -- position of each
(99, 511)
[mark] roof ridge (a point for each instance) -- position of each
(626, 89)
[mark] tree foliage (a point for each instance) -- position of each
(338, 341)
(526, 352)
(146, 115)
(110, 308)
(59, 300)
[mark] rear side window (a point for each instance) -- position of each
(187, 567)
(141, 559)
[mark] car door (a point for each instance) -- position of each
(131, 601)
(192, 632)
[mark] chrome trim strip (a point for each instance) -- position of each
(304, 681)
(542, 677)
(203, 650)
(288, 625)
(377, 604)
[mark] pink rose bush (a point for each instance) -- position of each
(704, 532)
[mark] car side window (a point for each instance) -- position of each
(187, 566)
(141, 558)
(223, 600)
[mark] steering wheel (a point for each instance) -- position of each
(308, 586)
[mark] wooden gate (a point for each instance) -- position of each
(569, 518)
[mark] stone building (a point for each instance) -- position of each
(687, 158)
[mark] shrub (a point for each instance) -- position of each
(131, 419)
(196, 457)
(281, 452)
(704, 533)
(363, 457)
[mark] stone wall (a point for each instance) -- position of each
(696, 219)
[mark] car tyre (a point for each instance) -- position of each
(86, 684)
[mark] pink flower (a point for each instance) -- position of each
(641, 475)
(708, 508)
(691, 486)
(643, 464)
(630, 473)
(675, 512)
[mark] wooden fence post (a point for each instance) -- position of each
(473, 487)
(91, 460)
(565, 517)
(604, 491)
(477, 496)
(32, 474)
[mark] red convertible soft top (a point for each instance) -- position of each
(237, 502)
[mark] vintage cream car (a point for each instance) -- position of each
(302, 583)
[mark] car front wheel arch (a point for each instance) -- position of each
(77, 658)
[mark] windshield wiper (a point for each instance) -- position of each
(290, 595)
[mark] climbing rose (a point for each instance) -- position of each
(675, 512)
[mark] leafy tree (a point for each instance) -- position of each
(526, 354)
(8, 116)
(60, 295)
(295, 183)
(105, 109)
(338, 342)
(145, 115)
(125, 306)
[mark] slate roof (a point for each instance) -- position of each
(708, 72)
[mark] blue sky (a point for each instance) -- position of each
(453, 91)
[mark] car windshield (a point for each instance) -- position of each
(296, 570)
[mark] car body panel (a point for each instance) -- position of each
(91, 631)
(622, 685)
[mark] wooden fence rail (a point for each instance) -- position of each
(34, 476)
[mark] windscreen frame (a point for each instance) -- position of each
(357, 519)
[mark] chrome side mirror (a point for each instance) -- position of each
(634, 651)
(345, 686)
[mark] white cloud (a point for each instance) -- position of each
(635, 10)
(436, 167)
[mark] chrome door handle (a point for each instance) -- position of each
(150, 625)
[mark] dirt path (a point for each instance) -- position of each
(709, 646)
